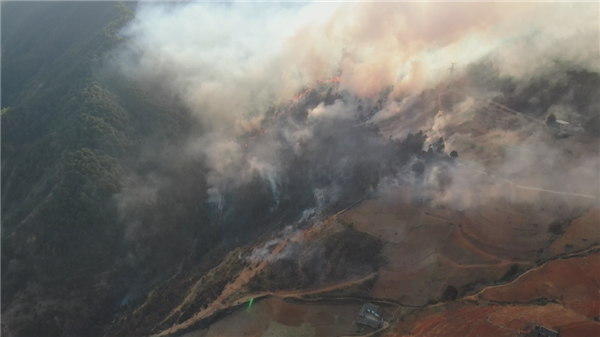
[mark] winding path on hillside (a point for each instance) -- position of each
(383, 328)
(301, 296)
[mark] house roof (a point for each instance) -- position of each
(370, 311)
(540, 331)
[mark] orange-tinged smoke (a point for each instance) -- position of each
(231, 64)
(410, 45)
(305, 92)
(234, 62)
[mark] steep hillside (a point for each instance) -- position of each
(66, 135)
(167, 165)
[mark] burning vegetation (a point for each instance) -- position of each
(160, 175)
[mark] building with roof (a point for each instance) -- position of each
(540, 331)
(370, 315)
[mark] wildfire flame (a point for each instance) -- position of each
(299, 96)
(296, 99)
(302, 94)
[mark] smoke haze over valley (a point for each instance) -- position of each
(165, 163)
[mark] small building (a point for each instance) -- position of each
(540, 331)
(370, 315)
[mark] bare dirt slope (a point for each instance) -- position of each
(435, 283)
(561, 294)
(497, 267)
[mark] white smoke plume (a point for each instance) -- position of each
(232, 62)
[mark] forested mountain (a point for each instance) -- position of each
(164, 163)
(82, 147)
(100, 200)
(68, 136)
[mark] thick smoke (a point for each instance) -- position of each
(367, 78)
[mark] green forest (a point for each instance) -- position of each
(67, 138)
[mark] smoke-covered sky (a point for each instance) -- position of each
(232, 62)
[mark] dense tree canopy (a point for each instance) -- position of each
(66, 139)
